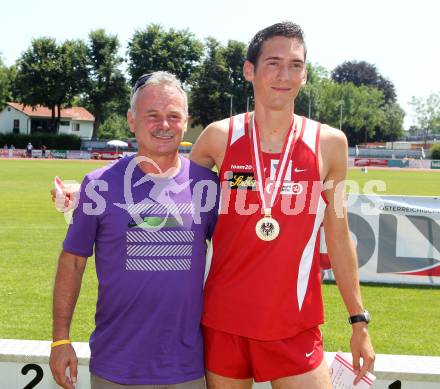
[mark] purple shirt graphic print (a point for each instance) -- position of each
(149, 236)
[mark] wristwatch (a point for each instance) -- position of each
(364, 316)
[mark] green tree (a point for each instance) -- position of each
(427, 113)
(210, 86)
(414, 130)
(7, 76)
(241, 90)
(106, 86)
(391, 128)
(435, 151)
(72, 79)
(153, 49)
(306, 103)
(114, 127)
(364, 73)
(51, 75)
(356, 110)
(38, 73)
(360, 111)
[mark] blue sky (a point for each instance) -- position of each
(399, 37)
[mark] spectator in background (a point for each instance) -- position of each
(43, 151)
(5, 146)
(29, 148)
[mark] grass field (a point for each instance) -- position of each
(405, 317)
(397, 182)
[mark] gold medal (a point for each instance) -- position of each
(267, 228)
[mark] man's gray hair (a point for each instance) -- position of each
(159, 78)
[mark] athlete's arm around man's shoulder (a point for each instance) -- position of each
(210, 147)
(340, 246)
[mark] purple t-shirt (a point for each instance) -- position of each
(150, 237)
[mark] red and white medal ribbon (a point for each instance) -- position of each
(267, 228)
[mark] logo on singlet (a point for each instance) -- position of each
(241, 180)
(289, 188)
(241, 167)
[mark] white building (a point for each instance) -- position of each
(21, 119)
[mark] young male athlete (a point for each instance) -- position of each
(147, 217)
(282, 177)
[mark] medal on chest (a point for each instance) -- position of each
(268, 228)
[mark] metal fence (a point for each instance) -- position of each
(388, 153)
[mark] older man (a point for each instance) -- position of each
(148, 218)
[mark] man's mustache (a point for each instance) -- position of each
(162, 132)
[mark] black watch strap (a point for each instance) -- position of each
(364, 316)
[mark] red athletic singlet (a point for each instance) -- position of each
(257, 289)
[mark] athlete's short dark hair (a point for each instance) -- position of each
(286, 29)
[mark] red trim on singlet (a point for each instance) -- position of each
(230, 133)
(303, 126)
(231, 128)
(246, 123)
(318, 133)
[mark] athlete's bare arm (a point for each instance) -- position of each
(341, 249)
(210, 147)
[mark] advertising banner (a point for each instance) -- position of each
(420, 163)
(12, 153)
(37, 154)
(59, 154)
(78, 154)
(435, 164)
(370, 162)
(105, 155)
(397, 238)
(398, 162)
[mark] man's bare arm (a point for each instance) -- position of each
(341, 248)
(210, 147)
(66, 291)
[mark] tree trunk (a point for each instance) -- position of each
(97, 123)
(58, 118)
(53, 124)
